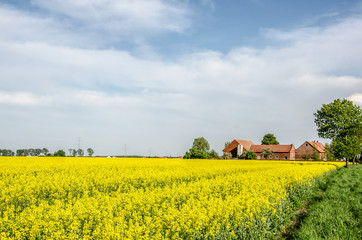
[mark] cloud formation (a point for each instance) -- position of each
(111, 95)
(23, 99)
(356, 98)
(123, 16)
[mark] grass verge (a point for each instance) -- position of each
(334, 210)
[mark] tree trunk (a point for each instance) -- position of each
(354, 160)
(347, 160)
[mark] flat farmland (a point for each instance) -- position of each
(139, 198)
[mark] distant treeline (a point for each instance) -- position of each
(45, 152)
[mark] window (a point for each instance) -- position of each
(270, 157)
(258, 157)
(276, 157)
(286, 158)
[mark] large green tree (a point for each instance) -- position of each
(269, 139)
(200, 149)
(201, 144)
(341, 121)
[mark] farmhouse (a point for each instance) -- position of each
(280, 152)
(237, 147)
(308, 148)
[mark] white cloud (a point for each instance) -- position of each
(23, 99)
(96, 98)
(243, 93)
(23, 27)
(124, 15)
(356, 98)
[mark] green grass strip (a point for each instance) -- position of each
(335, 211)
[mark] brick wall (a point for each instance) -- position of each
(306, 148)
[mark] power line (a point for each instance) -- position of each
(125, 149)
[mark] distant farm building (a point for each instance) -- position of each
(280, 152)
(308, 148)
(237, 147)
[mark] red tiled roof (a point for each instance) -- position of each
(317, 145)
(246, 145)
(274, 148)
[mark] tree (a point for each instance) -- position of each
(6, 152)
(306, 156)
(59, 153)
(200, 150)
(347, 148)
(201, 144)
(269, 139)
(329, 152)
(45, 151)
(315, 155)
(80, 152)
(249, 155)
(227, 155)
(213, 154)
(74, 152)
(38, 151)
(196, 154)
(90, 151)
(341, 121)
(267, 153)
(19, 152)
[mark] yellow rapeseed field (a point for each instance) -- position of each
(117, 198)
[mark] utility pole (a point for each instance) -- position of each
(150, 152)
(78, 142)
(125, 150)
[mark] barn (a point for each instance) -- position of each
(308, 148)
(237, 147)
(280, 152)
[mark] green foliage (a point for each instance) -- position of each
(213, 154)
(329, 152)
(335, 211)
(250, 155)
(45, 151)
(347, 147)
(80, 152)
(338, 119)
(59, 153)
(200, 150)
(306, 156)
(267, 152)
(269, 139)
(227, 144)
(341, 121)
(90, 151)
(201, 144)
(196, 154)
(227, 155)
(315, 155)
(6, 152)
(30, 152)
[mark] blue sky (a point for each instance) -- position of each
(156, 74)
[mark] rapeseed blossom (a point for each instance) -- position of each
(102, 198)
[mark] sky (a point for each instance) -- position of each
(147, 77)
